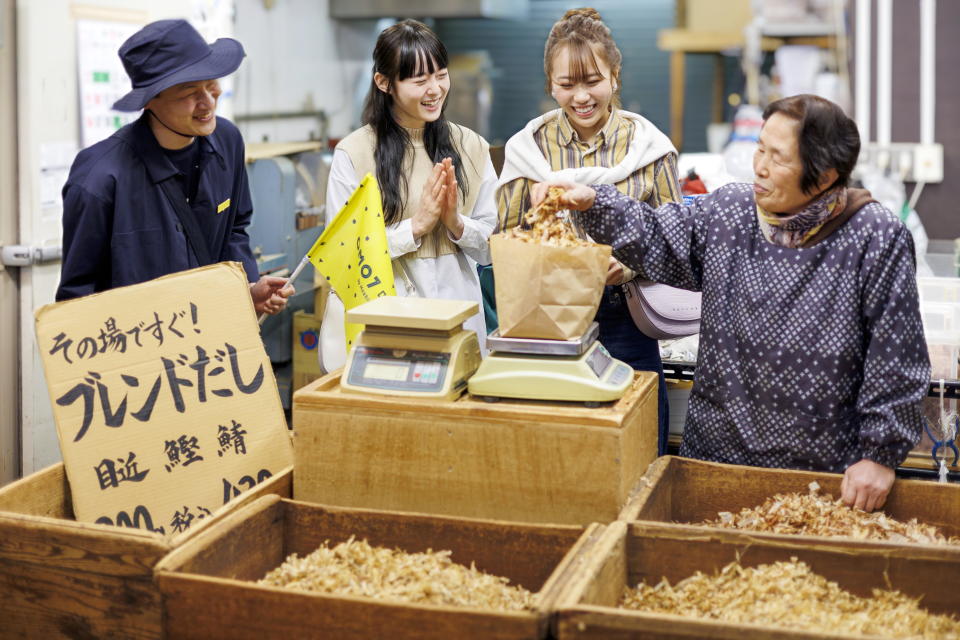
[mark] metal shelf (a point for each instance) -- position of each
(917, 465)
(952, 389)
(798, 29)
(677, 370)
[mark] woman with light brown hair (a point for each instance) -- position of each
(588, 139)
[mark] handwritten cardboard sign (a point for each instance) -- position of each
(164, 398)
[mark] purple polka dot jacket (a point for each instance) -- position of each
(810, 358)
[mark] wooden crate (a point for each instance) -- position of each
(515, 460)
(208, 589)
(628, 553)
(63, 578)
(680, 491)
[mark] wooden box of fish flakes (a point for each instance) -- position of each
(515, 460)
(800, 506)
(367, 574)
(60, 578)
(695, 585)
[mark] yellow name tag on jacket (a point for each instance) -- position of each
(223, 205)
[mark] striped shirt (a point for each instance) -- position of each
(654, 184)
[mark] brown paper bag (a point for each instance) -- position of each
(545, 291)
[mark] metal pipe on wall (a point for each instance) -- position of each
(10, 416)
(928, 95)
(863, 69)
(884, 70)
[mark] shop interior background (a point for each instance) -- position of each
(304, 78)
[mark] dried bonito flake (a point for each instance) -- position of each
(545, 226)
(790, 595)
(356, 568)
(818, 514)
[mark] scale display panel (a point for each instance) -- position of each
(620, 375)
(398, 369)
(598, 360)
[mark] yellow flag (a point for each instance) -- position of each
(352, 252)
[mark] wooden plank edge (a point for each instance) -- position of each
(866, 549)
(82, 548)
(722, 467)
(582, 573)
(544, 414)
(569, 565)
(649, 482)
(85, 529)
(642, 394)
(578, 619)
(533, 527)
(280, 484)
(202, 539)
(189, 548)
(166, 575)
(324, 393)
(53, 473)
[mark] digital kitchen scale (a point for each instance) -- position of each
(579, 370)
(415, 347)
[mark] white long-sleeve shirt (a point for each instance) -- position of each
(452, 276)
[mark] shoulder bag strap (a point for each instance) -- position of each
(191, 228)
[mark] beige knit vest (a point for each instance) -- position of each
(417, 165)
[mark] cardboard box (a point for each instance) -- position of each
(680, 491)
(306, 346)
(628, 553)
(521, 461)
(63, 578)
(209, 590)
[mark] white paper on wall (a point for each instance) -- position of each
(55, 161)
(102, 79)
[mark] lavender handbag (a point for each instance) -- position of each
(662, 312)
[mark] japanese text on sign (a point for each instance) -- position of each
(164, 399)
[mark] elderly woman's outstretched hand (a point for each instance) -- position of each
(866, 485)
(578, 197)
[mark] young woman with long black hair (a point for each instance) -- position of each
(436, 179)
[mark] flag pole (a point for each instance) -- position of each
(293, 276)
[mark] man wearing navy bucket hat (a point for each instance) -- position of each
(168, 192)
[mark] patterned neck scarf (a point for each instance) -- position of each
(795, 230)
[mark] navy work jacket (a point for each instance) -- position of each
(120, 228)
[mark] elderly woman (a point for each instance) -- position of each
(812, 353)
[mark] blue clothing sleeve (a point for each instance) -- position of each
(896, 368)
(87, 225)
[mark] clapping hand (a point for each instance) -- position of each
(433, 199)
(450, 217)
